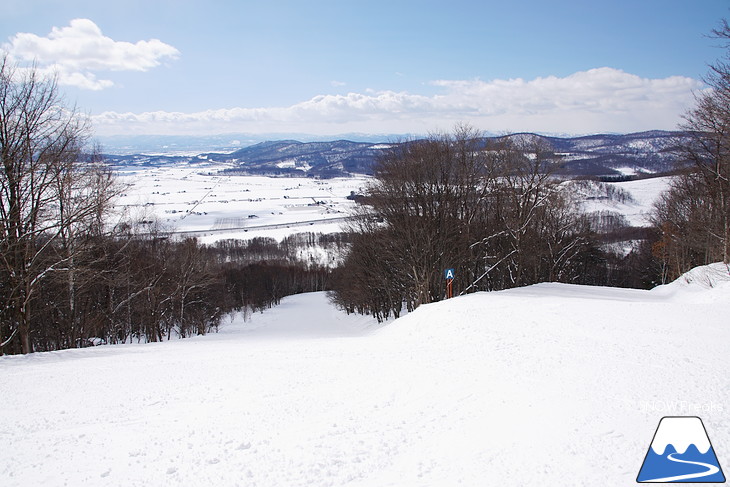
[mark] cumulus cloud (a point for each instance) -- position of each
(597, 100)
(80, 49)
(601, 90)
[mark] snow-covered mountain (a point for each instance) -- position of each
(608, 156)
(291, 157)
(547, 385)
(616, 155)
(197, 144)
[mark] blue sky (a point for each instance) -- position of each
(332, 67)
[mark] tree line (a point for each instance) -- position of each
(492, 212)
(693, 216)
(73, 271)
(137, 284)
(148, 288)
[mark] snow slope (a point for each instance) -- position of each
(545, 385)
(644, 193)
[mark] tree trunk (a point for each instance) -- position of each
(24, 330)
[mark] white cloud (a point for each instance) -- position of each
(78, 50)
(598, 100)
(605, 91)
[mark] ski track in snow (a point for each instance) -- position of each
(544, 385)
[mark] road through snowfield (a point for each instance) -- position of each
(548, 385)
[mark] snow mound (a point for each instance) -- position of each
(703, 284)
(707, 276)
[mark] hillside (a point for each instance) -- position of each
(544, 385)
(290, 157)
(608, 156)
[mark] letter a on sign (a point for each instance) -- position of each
(449, 274)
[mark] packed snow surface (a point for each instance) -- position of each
(545, 385)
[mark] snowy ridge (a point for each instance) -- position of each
(595, 155)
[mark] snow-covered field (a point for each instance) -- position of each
(544, 385)
(197, 198)
(643, 193)
(212, 206)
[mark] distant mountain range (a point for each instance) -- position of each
(603, 156)
(197, 144)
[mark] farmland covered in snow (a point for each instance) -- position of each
(200, 201)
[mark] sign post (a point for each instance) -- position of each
(449, 274)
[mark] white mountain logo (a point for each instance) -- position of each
(681, 452)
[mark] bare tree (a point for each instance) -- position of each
(694, 216)
(192, 279)
(429, 194)
(47, 192)
(490, 211)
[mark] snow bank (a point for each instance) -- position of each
(544, 385)
(705, 284)
(706, 277)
